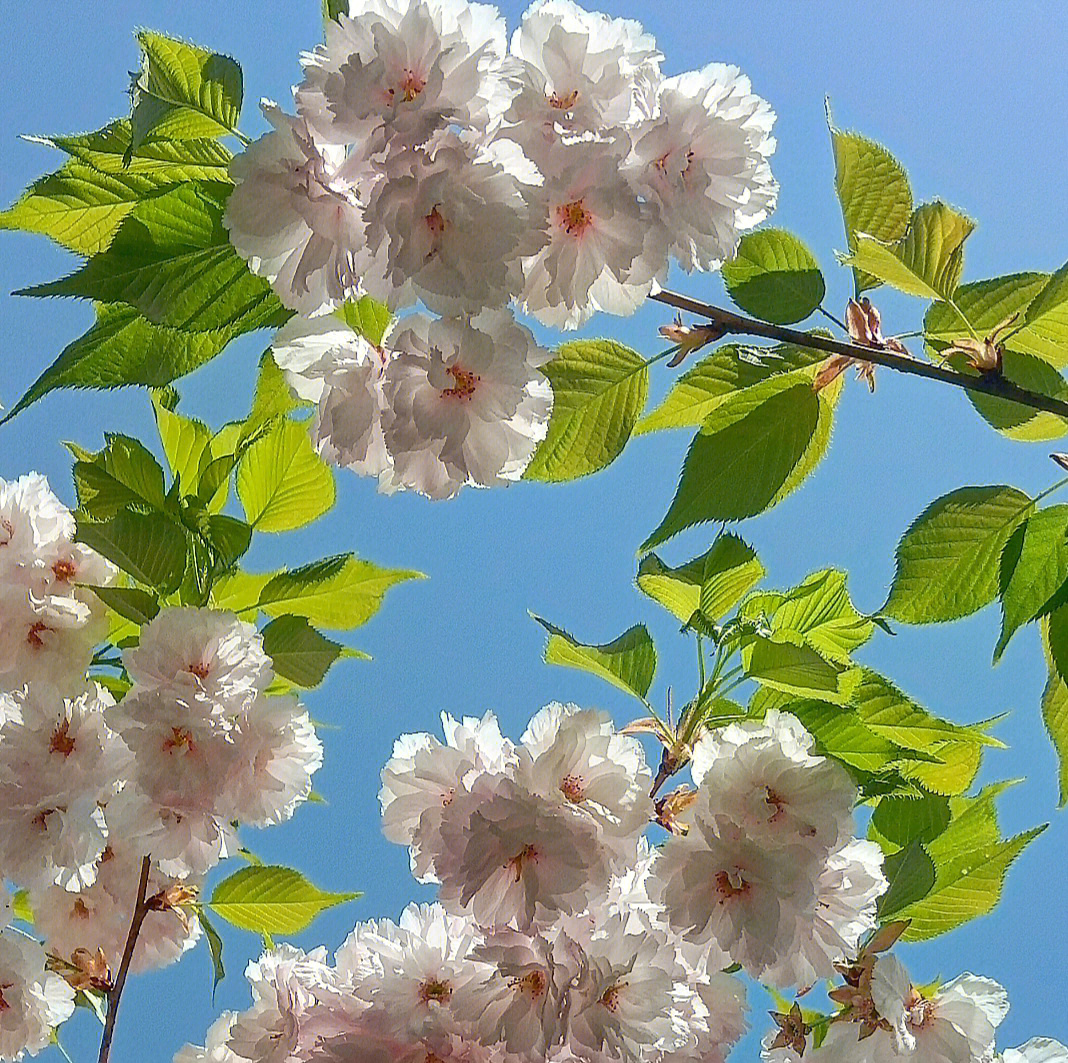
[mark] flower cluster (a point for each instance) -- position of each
(91, 787)
(558, 935)
(432, 162)
(885, 1019)
(769, 875)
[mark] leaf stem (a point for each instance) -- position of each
(115, 993)
(986, 384)
(830, 317)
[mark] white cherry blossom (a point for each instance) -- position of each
(508, 855)
(452, 222)
(465, 402)
(32, 1000)
(216, 1048)
(580, 71)
(1037, 1050)
(396, 70)
(60, 764)
(296, 214)
(576, 755)
(956, 1024)
(200, 655)
(847, 892)
(719, 885)
(764, 777)
(332, 365)
(702, 161)
(602, 252)
(423, 776)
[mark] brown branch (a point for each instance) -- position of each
(991, 384)
(141, 909)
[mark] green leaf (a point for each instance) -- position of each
(124, 348)
(839, 732)
(148, 546)
(337, 592)
(78, 206)
(873, 190)
(215, 947)
(967, 885)
(628, 662)
(299, 652)
(729, 368)
(172, 260)
(1034, 567)
(240, 592)
(1057, 639)
(927, 261)
(953, 770)
(712, 583)
(333, 8)
(982, 304)
(20, 906)
(282, 481)
(890, 713)
(741, 461)
(166, 161)
(366, 316)
(774, 277)
(184, 442)
(123, 474)
(599, 392)
(269, 899)
(820, 611)
(948, 560)
(272, 399)
(902, 820)
(183, 92)
(796, 668)
(1044, 330)
(1055, 706)
(1013, 419)
(129, 602)
(911, 876)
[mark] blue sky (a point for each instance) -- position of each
(971, 96)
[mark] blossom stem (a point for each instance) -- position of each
(991, 384)
(115, 993)
(700, 662)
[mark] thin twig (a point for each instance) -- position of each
(990, 384)
(115, 993)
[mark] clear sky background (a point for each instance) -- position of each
(970, 95)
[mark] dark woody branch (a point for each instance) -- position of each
(991, 383)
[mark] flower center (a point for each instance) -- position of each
(533, 984)
(33, 636)
(435, 222)
(730, 884)
(9, 532)
(435, 991)
(61, 740)
(64, 571)
(180, 739)
(528, 854)
(465, 383)
(198, 669)
(81, 909)
(4, 1005)
(920, 1010)
(573, 788)
(573, 217)
(448, 797)
(563, 103)
(775, 805)
(411, 85)
(612, 994)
